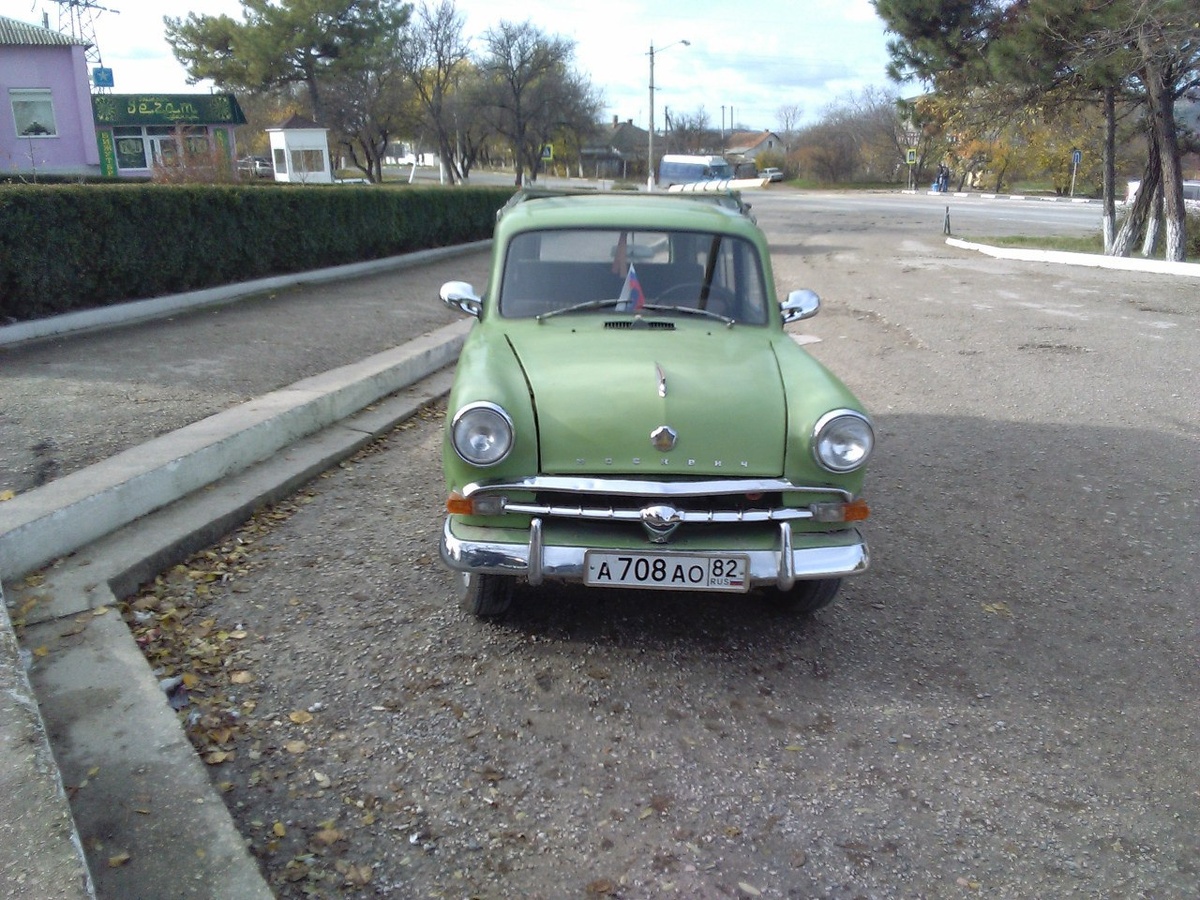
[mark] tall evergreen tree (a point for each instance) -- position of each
(286, 42)
(1146, 50)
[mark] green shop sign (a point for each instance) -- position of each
(167, 109)
(108, 153)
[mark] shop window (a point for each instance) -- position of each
(305, 161)
(131, 147)
(280, 160)
(33, 113)
(198, 145)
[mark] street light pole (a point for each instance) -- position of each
(650, 142)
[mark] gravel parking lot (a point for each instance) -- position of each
(1003, 706)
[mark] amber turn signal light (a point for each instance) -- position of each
(856, 510)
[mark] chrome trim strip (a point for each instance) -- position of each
(567, 563)
(633, 487)
(610, 513)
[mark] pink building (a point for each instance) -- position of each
(46, 121)
(51, 124)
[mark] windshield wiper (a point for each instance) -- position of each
(579, 307)
(589, 305)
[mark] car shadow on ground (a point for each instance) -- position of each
(652, 618)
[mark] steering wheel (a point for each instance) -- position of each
(721, 301)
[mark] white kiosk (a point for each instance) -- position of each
(300, 152)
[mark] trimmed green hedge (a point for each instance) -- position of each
(71, 247)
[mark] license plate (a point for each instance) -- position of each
(666, 571)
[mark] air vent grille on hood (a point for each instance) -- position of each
(640, 323)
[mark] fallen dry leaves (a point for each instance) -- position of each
(206, 666)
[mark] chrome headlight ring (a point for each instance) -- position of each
(482, 433)
(842, 441)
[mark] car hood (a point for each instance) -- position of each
(600, 393)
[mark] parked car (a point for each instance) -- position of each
(771, 174)
(256, 166)
(629, 412)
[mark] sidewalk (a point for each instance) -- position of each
(133, 499)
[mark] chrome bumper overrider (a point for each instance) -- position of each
(781, 567)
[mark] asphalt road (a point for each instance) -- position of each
(1003, 706)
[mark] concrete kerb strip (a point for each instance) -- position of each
(40, 853)
(1096, 260)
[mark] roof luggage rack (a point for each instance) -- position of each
(727, 198)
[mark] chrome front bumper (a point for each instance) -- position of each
(781, 567)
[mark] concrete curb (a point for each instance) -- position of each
(991, 196)
(158, 307)
(40, 853)
(70, 512)
(1096, 260)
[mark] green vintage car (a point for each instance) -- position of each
(628, 412)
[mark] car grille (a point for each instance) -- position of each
(716, 502)
(715, 509)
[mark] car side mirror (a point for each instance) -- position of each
(461, 295)
(801, 304)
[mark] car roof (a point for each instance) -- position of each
(701, 211)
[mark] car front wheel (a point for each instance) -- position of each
(485, 596)
(808, 596)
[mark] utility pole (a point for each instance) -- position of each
(650, 142)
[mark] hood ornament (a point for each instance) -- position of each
(663, 438)
(660, 522)
(662, 380)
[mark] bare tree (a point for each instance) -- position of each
(826, 151)
(788, 116)
(531, 91)
(869, 125)
(689, 132)
(433, 59)
(366, 110)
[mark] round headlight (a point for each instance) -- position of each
(482, 434)
(843, 440)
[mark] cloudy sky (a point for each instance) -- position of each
(742, 63)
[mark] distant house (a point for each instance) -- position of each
(617, 151)
(746, 146)
(47, 125)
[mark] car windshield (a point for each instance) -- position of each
(606, 271)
